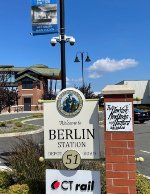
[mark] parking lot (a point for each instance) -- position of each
(142, 142)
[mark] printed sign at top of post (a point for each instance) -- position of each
(118, 116)
(44, 17)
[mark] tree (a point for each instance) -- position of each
(50, 95)
(8, 91)
(86, 90)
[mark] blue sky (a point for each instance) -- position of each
(115, 33)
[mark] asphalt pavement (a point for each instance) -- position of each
(142, 144)
(38, 122)
(4, 117)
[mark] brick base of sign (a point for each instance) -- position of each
(120, 162)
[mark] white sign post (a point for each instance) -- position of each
(72, 182)
(119, 116)
(71, 123)
(71, 133)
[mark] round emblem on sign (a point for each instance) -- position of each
(69, 103)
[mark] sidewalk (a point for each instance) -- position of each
(12, 112)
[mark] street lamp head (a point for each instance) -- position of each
(87, 59)
(76, 59)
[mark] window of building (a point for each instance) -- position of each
(27, 83)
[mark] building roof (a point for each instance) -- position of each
(40, 69)
(47, 72)
(26, 75)
(4, 68)
(133, 81)
(40, 66)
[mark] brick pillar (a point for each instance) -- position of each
(119, 147)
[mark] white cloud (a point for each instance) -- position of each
(67, 79)
(76, 80)
(95, 75)
(109, 65)
(70, 82)
(67, 82)
(97, 93)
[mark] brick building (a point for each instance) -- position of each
(32, 83)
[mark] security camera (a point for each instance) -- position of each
(53, 41)
(72, 41)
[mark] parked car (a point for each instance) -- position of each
(141, 115)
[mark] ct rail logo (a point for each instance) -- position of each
(72, 181)
(69, 103)
(71, 186)
(55, 185)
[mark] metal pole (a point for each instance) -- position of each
(62, 45)
(82, 69)
(55, 85)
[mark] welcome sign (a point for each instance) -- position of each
(72, 182)
(71, 123)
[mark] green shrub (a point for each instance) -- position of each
(137, 98)
(142, 184)
(2, 124)
(19, 124)
(5, 179)
(18, 189)
(37, 115)
(3, 191)
(9, 122)
(26, 165)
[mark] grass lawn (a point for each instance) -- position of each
(16, 125)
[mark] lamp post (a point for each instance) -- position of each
(62, 39)
(82, 62)
(62, 43)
